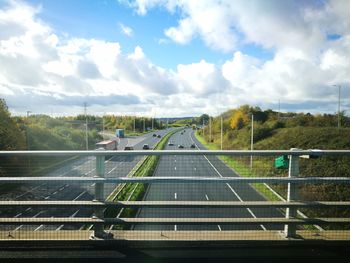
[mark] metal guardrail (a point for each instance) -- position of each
(99, 204)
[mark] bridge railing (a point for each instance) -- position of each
(189, 194)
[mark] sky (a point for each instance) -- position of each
(174, 58)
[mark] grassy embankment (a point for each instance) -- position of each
(240, 168)
(136, 191)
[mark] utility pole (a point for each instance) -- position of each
(103, 127)
(339, 87)
(251, 143)
(134, 124)
(210, 128)
(222, 129)
(86, 127)
(203, 129)
(27, 130)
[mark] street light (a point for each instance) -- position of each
(339, 87)
(251, 143)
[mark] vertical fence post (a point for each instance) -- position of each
(99, 190)
(292, 194)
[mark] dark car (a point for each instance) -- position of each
(170, 144)
(193, 146)
(145, 147)
(154, 135)
(180, 146)
(128, 148)
(159, 136)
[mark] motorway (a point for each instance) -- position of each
(117, 166)
(185, 165)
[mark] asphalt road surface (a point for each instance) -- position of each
(209, 166)
(117, 166)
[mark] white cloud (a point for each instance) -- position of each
(49, 69)
(126, 30)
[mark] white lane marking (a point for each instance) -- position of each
(79, 195)
(112, 170)
(73, 215)
(18, 215)
(74, 167)
(175, 168)
(175, 228)
(229, 186)
(19, 227)
(206, 197)
(233, 191)
(195, 168)
(54, 193)
(89, 172)
(175, 195)
(47, 197)
(175, 160)
(109, 159)
(92, 184)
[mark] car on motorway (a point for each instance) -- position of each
(180, 146)
(128, 148)
(170, 144)
(145, 147)
(154, 135)
(159, 135)
(193, 146)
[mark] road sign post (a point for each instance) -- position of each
(292, 194)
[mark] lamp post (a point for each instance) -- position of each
(222, 129)
(251, 143)
(339, 87)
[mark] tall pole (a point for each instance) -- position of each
(27, 130)
(339, 106)
(144, 125)
(339, 87)
(251, 143)
(221, 131)
(210, 129)
(134, 124)
(86, 127)
(279, 109)
(203, 129)
(103, 127)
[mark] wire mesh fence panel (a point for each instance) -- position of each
(179, 193)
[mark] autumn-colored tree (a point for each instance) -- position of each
(239, 119)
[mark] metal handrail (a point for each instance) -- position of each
(317, 153)
(183, 179)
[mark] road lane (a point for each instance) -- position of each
(200, 166)
(115, 167)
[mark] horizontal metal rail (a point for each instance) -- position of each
(183, 179)
(172, 221)
(317, 153)
(173, 204)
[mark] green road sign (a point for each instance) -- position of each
(282, 162)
